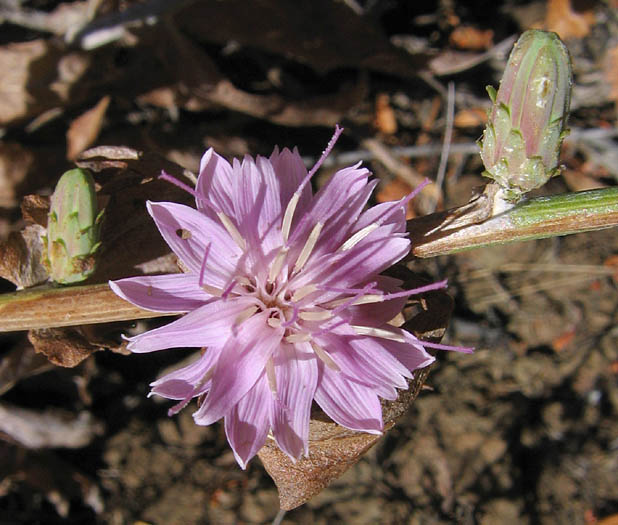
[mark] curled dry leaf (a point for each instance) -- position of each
(68, 347)
(334, 449)
(561, 18)
(21, 257)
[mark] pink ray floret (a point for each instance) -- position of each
(282, 291)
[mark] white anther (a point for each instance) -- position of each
(320, 315)
(358, 236)
(308, 247)
(325, 358)
(288, 216)
(275, 267)
(273, 322)
(379, 332)
(299, 337)
(245, 314)
(212, 290)
(303, 291)
(232, 230)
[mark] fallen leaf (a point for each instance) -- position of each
(85, 129)
(561, 18)
(68, 347)
(468, 37)
(21, 257)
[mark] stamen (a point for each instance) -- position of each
(303, 292)
(293, 318)
(291, 207)
(203, 267)
(299, 337)
(351, 300)
(232, 230)
(329, 328)
(228, 289)
(378, 332)
(325, 358)
(289, 214)
(437, 346)
(271, 376)
(245, 314)
(243, 281)
(325, 153)
(308, 247)
(169, 178)
(347, 290)
(320, 315)
(359, 236)
(275, 267)
(375, 298)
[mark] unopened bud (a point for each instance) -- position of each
(72, 228)
(527, 122)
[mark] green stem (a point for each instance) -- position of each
(450, 232)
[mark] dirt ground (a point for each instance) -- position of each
(522, 431)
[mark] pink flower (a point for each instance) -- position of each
(283, 290)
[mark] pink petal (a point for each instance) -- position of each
(290, 170)
(296, 372)
(241, 363)
(200, 231)
(411, 354)
(366, 360)
(359, 264)
(162, 293)
(209, 325)
(247, 423)
(182, 382)
(348, 403)
(215, 184)
(377, 314)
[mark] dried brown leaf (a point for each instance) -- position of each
(21, 257)
(34, 209)
(62, 346)
(85, 129)
(15, 162)
(69, 346)
(568, 23)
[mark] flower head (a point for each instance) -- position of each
(282, 288)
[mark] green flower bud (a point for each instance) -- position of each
(72, 228)
(527, 121)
